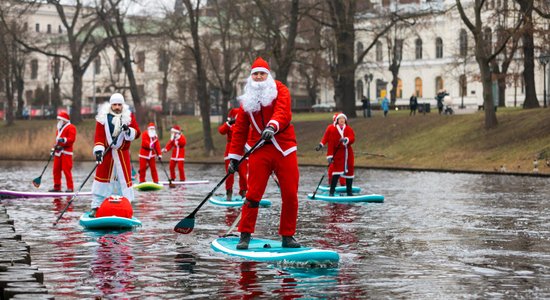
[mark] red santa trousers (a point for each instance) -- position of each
(143, 162)
(243, 174)
(180, 164)
(63, 163)
(263, 161)
(343, 164)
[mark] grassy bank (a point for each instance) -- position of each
(429, 141)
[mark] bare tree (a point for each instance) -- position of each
(484, 52)
(528, 45)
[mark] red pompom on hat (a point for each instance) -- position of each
(63, 116)
(337, 116)
(151, 125)
(175, 129)
(260, 65)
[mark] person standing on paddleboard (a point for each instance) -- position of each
(177, 144)
(266, 115)
(340, 138)
(324, 141)
(150, 149)
(116, 128)
(227, 129)
(65, 137)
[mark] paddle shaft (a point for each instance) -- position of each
(164, 169)
(324, 174)
(45, 167)
(235, 223)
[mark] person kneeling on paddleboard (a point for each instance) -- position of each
(266, 115)
(116, 128)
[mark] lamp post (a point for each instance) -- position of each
(368, 79)
(544, 59)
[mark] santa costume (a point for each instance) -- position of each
(227, 129)
(150, 149)
(340, 138)
(114, 174)
(177, 145)
(266, 109)
(63, 152)
(324, 142)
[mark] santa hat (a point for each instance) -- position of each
(260, 65)
(63, 116)
(116, 98)
(175, 129)
(337, 116)
(151, 126)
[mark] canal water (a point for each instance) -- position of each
(436, 236)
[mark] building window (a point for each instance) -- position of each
(49, 28)
(163, 60)
(418, 86)
(34, 69)
(379, 56)
(438, 48)
(398, 49)
(488, 38)
(118, 65)
(439, 85)
(463, 43)
(140, 61)
(59, 29)
(141, 91)
(25, 26)
(360, 50)
(399, 91)
(463, 84)
(97, 65)
(37, 27)
(418, 48)
(359, 90)
(57, 67)
(161, 91)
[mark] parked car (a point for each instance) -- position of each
(323, 107)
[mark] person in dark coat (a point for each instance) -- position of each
(413, 105)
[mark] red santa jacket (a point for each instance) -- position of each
(178, 153)
(227, 130)
(150, 146)
(68, 134)
(277, 114)
(104, 138)
(324, 140)
(334, 145)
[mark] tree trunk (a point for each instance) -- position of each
(20, 86)
(531, 100)
(486, 80)
(76, 116)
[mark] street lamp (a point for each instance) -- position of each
(544, 59)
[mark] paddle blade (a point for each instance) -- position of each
(36, 182)
(185, 226)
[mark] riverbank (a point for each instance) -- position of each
(421, 142)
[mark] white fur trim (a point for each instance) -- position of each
(116, 98)
(259, 69)
(234, 156)
(131, 136)
(63, 119)
(98, 148)
(274, 122)
(105, 109)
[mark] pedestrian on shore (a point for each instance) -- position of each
(413, 104)
(366, 107)
(116, 128)
(385, 106)
(266, 118)
(227, 129)
(177, 145)
(65, 137)
(439, 98)
(148, 153)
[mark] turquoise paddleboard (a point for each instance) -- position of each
(347, 199)
(270, 250)
(108, 222)
(339, 189)
(148, 186)
(235, 201)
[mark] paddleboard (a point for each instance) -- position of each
(187, 182)
(235, 201)
(339, 189)
(148, 186)
(347, 199)
(24, 194)
(108, 222)
(270, 250)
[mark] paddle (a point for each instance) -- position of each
(36, 182)
(187, 224)
(325, 173)
(83, 183)
(170, 184)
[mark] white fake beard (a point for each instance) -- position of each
(117, 123)
(152, 132)
(258, 94)
(60, 124)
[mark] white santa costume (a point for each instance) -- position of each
(267, 104)
(114, 174)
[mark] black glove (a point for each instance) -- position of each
(233, 166)
(126, 128)
(98, 157)
(159, 158)
(344, 141)
(329, 160)
(58, 148)
(61, 140)
(231, 121)
(268, 133)
(318, 147)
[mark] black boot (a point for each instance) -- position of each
(92, 213)
(349, 184)
(244, 241)
(333, 183)
(290, 242)
(229, 195)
